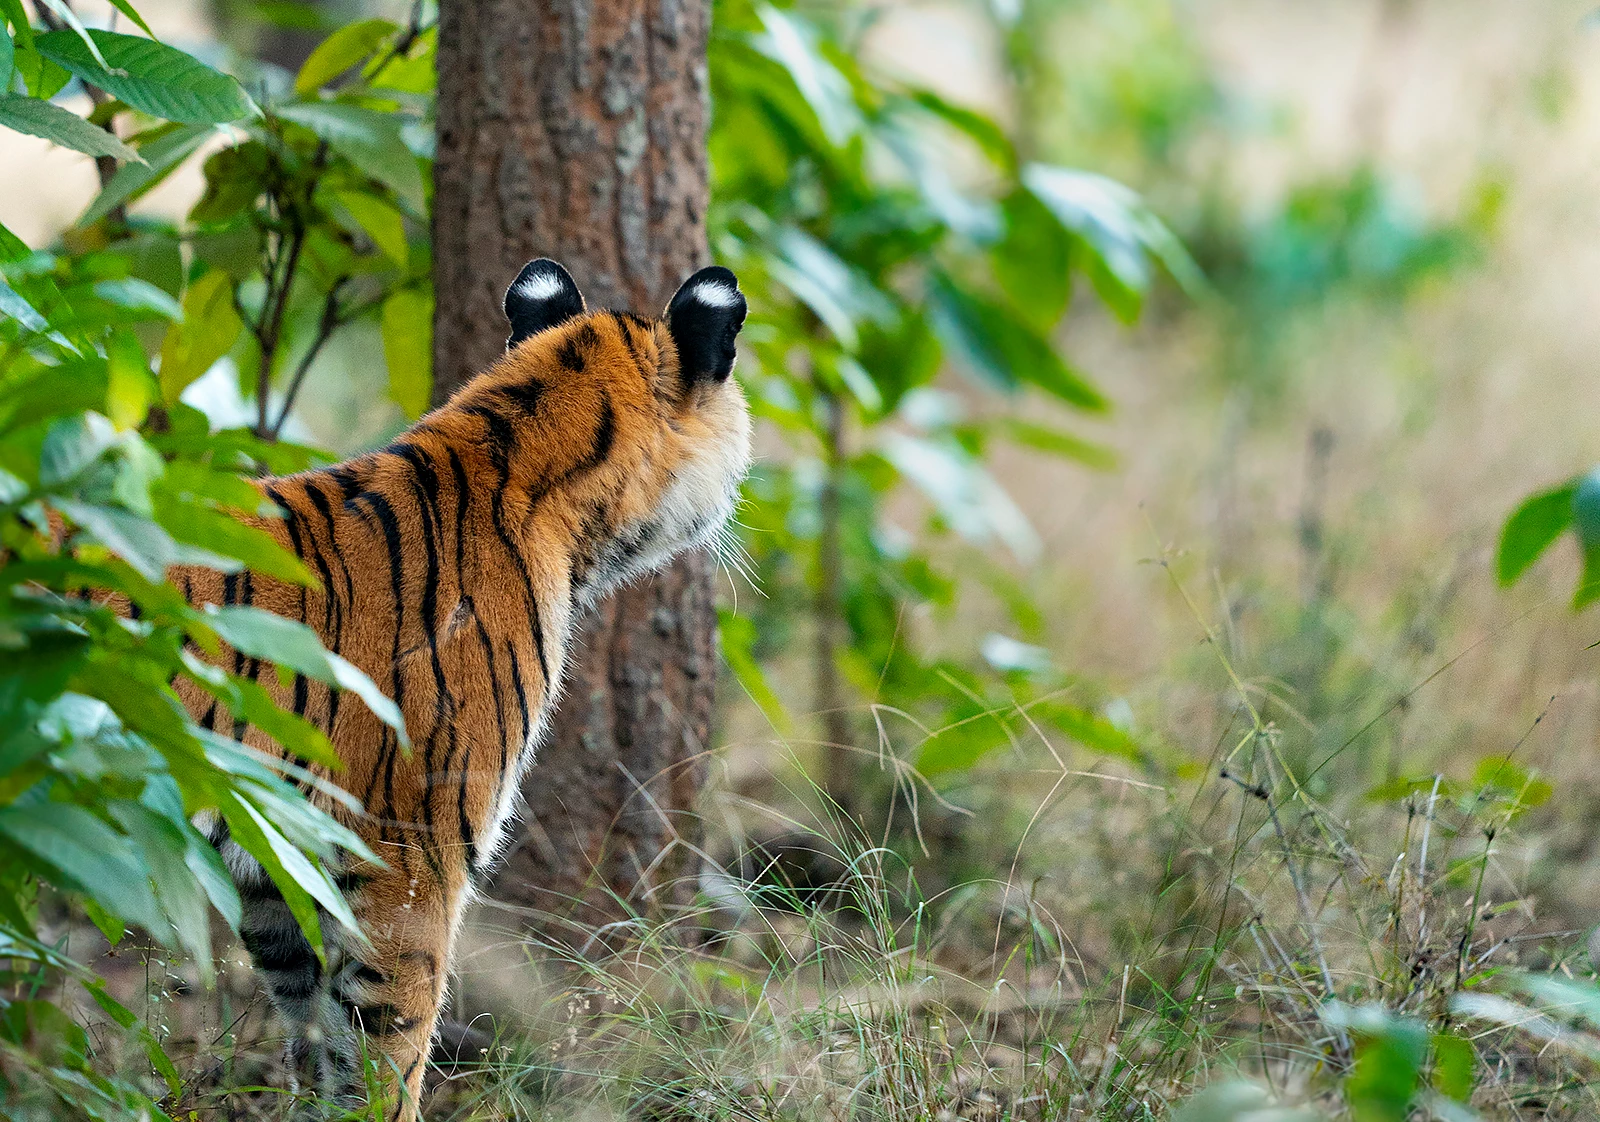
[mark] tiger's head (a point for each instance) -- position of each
(635, 436)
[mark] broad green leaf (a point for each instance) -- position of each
(213, 529)
(263, 842)
(1455, 1064)
(138, 541)
(1586, 521)
(140, 296)
(793, 43)
(982, 129)
(408, 348)
(130, 387)
(42, 78)
(12, 247)
(347, 46)
(249, 701)
(8, 55)
(13, 12)
(157, 159)
(1033, 259)
(150, 76)
(368, 139)
(67, 16)
(92, 857)
(295, 646)
(1390, 1051)
(14, 306)
(380, 221)
(210, 326)
(1529, 531)
(1116, 224)
(41, 118)
(1058, 442)
(1003, 350)
(160, 845)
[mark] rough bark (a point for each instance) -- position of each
(575, 129)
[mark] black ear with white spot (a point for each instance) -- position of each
(542, 296)
(704, 319)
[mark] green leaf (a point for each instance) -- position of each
(287, 867)
(92, 858)
(1115, 223)
(41, 118)
(368, 139)
(737, 636)
(12, 248)
(408, 348)
(8, 55)
(139, 296)
(1454, 1066)
(220, 532)
(138, 541)
(379, 221)
(1531, 529)
(132, 13)
(210, 326)
(1003, 350)
(83, 38)
(982, 129)
(1586, 522)
(1033, 260)
(347, 46)
(157, 159)
(12, 11)
(150, 76)
(1058, 442)
(14, 306)
(130, 387)
(792, 43)
(295, 646)
(1390, 1052)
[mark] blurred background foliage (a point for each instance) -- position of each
(1143, 386)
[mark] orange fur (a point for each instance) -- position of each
(452, 565)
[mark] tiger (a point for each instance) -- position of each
(451, 567)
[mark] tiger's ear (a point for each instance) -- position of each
(542, 296)
(704, 319)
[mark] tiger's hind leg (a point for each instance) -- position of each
(390, 991)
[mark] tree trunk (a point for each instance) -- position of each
(576, 129)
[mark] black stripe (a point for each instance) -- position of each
(334, 606)
(369, 975)
(516, 683)
(463, 498)
(389, 525)
(623, 319)
(500, 442)
(574, 349)
(349, 478)
(381, 1019)
(524, 395)
(425, 491)
(348, 881)
(499, 717)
